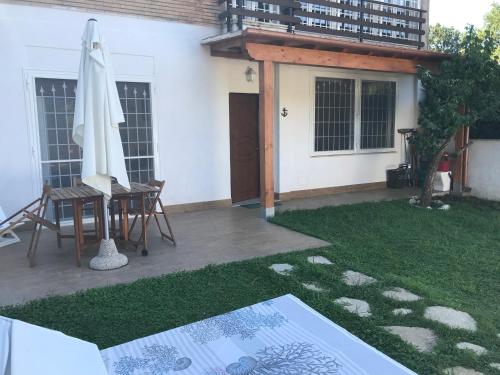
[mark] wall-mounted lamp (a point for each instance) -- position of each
(250, 74)
(284, 112)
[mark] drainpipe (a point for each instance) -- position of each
(425, 5)
(361, 17)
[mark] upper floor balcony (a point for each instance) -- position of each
(379, 21)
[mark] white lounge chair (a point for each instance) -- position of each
(26, 349)
(7, 235)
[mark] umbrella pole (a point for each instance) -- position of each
(105, 203)
(108, 258)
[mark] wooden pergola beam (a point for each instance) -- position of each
(266, 134)
(322, 42)
(299, 56)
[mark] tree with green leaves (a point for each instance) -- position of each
(466, 88)
(492, 24)
(443, 38)
(492, 19)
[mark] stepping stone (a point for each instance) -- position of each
(313, 287)
(450, 317)
(400, 294)
(461, 371)
(495, 365)
(402, 312)
(422, 339)
(353, 278)
(318, 259)
(355, 306)
(479, 350)
(283, 269)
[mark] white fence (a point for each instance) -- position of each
(484, 169)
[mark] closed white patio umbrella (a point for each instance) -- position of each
(96, 129)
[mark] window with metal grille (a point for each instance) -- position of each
(334, 114)
(378, 113)
(61, 158)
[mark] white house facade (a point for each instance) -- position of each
(334, 127)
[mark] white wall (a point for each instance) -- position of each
(189, 93)
(190, 105)
(300, 168)
(484, 169)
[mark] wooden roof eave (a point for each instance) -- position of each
(280, 47)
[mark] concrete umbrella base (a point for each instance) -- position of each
(108, 258)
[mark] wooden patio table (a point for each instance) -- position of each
(123, 196)
(78, 196)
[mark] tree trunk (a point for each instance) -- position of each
(426, 197)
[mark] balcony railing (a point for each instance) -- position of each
(377, 20)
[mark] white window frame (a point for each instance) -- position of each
(358, 77)
(34, 127)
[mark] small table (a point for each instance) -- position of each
(78, 196)
(139, 192)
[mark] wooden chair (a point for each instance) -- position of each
(154, 208)
(35, 212)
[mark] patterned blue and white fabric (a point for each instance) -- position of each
(282, 336)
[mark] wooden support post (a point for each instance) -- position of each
(460, 176)
(465, 161)
(457, 176)
(461, 170)
(266, 132)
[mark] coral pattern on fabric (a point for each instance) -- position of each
(156, 360)
(244, 323)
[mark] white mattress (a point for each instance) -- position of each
(282, 336)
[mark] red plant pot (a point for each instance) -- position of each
(444, 166)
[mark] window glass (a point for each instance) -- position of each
(378, 103)
(334, 114)
(61, 158)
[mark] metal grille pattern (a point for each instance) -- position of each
(334, 114)
(61, 157)
(378, 102)
(137, 131)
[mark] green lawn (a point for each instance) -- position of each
(452, 258)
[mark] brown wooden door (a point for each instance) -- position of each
(244, 138)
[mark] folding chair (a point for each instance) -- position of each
(152, 201)
(35, 212)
